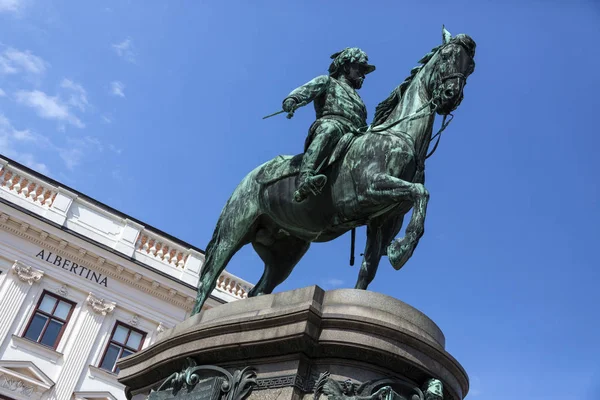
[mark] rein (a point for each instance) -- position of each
(416, 115)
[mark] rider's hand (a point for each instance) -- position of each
(289, 106)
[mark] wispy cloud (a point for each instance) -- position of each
(9, 143)
(77, 94)
(332, 283)
(2, 93)
(125, 50)
(19, 144)
(10, 5)
(106, 119)
(48, 107)
(117, 88)
(13, 61)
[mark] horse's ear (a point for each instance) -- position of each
(446, 36)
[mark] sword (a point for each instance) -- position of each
(272, 115)
(290, 114)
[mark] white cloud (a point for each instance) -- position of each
(125, 50)
(106, 119)
(117, 88)
(334, 282)
(10, 5)
(9, 140)
(13, 61)
(77, 95)
(115, 149)
(2, 93)
(48, 107)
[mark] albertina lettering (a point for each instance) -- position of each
(73, 267)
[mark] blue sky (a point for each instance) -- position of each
(155, 108)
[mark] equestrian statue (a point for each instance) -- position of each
(350, 175)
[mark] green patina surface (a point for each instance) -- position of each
(374, 178)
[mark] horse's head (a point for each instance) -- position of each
(453, 62)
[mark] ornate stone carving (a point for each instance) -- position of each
(161, 328)
(16, 385)
(63, 290)
(382, 389)
(433, 390)
(100, 306)
(135, 320)
(208, 382)
(26, 273)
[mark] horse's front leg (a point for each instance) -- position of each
(388, 190)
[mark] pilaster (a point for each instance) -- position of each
(14, 293)
(93, 315)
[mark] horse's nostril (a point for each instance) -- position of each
(449, 93)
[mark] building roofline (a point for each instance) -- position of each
(100, 204)
(100, 245)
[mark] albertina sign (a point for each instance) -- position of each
(73, 267)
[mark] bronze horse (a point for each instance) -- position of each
(374, 179)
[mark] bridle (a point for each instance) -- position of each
(433, 105)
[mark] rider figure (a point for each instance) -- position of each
(339, 110)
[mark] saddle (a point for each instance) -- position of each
(282, 167)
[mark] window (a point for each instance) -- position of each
(49, 320)
(124, 341)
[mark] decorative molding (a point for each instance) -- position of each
(63, 290)
(23, 379)
(93, 396)
(29, 346)
(16, 385)
(161, 328)
(100, 306)
(43, 235)
(135, 321)
(27, 273)
(208, 382)
(280, 381)
(59, 245)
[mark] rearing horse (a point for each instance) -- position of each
(374, 179)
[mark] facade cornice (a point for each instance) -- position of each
(129, 276)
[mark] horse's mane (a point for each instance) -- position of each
(383, 109)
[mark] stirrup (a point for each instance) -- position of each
(312, 185)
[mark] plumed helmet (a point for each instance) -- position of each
(347, 56)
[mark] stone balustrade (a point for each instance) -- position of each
(233, 285)
(162, 249)
(26, 186)
(106, 226)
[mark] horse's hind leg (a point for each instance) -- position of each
(280, 258)
(379, 234)
(231, 234)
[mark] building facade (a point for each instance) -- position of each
(82, 285)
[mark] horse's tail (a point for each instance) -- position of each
(212, 245)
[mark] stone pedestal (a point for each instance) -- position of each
(290, 339)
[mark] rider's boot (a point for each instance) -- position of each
(312, 183)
